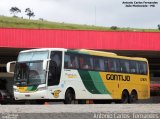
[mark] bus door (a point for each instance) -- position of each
(54, 73)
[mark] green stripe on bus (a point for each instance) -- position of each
(98, 82)
(77, 51)
(88, 82)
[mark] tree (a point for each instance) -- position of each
(29, 13)
(158, 26)
(15, 11)
(114, 27)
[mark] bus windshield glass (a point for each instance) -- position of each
(29, 69)
(33, 56)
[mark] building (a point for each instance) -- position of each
(137, 44)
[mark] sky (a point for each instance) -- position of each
(91, 12)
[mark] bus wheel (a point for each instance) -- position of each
(125, 97)
(133, 97)
(69, 97)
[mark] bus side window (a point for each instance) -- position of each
(142, 67)
(118, 67)
(106, 66)
(124, 66)
(133, 67)
(71, 61)
(74, 61)
(112, 65)
(66, 61)
(98, 64)
(86, 62)
(101, 63)
(81, 61)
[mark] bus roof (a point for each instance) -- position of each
(106, 54)
(89, 52)
(44, 49)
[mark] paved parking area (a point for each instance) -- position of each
(78, 111)
(81, 108)
(148, 109)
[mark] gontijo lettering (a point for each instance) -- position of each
(117, 77)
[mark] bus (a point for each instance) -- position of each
(68, 75)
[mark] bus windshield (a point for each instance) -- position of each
(29, 68)
(33, 56)
(29, 73)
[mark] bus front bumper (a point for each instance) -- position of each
(30, 95)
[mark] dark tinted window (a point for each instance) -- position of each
(112, 65)
(98, 64)
(71, 61)
(142, 67)
(133, 67)
(118, 67)
(106, 66)
(86, 62)
(124, 64)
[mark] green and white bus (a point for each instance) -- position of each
(53, 74)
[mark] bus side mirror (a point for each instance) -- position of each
(11, 66)
(45, 64)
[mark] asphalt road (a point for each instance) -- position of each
(148, 109)
(78, 111)
(81, 108)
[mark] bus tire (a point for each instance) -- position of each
(133, 97)
(125, 97)
(69, 97)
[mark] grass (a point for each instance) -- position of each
(13, 22)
